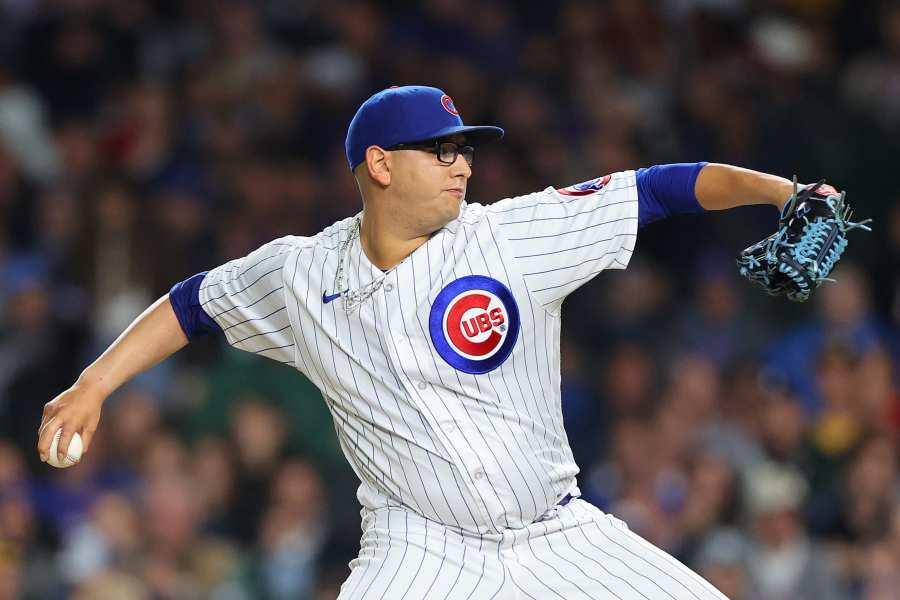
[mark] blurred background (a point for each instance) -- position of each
(143, 141)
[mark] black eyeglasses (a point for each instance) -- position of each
(446, 152)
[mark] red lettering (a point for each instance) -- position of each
(458, 338)
(470, 327)
(497, 317)
(483, 322)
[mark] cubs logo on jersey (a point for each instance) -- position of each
(586, 188)
(474, 324)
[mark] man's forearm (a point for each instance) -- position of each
(153, 336)
(723, 186)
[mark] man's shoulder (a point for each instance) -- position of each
(504, 205)
(281, 248)
(477, 210)
(618, 184)
(289, 242)
(326, 239)
(331, 237)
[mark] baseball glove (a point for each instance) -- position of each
(811, 236)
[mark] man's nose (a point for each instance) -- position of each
(460, 167)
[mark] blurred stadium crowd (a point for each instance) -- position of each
(143, 141)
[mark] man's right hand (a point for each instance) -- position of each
(153, 336)
(75, 410)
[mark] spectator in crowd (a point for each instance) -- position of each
(720, 561)
(782, 562)
(845, 319)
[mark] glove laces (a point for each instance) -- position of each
(821, 243)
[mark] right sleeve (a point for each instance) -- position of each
(185, 299)
(246, 298)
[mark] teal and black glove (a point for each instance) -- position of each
(811, 237)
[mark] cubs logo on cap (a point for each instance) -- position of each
(586, 188)
(447, 103)
(474, 324)
(407, 114)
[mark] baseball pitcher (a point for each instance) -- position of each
(431, 327)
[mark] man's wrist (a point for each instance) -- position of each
(777, 190)
(94, 383)
(782, 195)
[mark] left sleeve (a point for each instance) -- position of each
(666, 190)
(562, 238)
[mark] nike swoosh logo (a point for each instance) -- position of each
(326, 298)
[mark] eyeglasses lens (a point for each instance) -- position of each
(448, 151)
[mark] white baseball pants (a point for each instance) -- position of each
(576, 552)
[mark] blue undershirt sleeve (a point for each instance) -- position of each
(666, 190)
(185, 299)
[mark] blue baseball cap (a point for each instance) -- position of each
(405, 115)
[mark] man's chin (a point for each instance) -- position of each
(459, 206)
(449, 215)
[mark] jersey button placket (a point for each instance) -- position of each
(407, 365)
(393, 333)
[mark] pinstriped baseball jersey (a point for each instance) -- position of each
(444, 383)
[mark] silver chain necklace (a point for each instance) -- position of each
(353, 298)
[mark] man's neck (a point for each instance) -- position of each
(384, 247)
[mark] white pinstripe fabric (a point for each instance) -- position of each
(477, 455)
(577, 552)
(480, 452)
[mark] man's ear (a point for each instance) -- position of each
(378, 163)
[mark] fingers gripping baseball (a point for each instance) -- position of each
(75, 410)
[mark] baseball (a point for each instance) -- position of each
(72, 456)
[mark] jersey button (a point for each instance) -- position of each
(449, 427)
(478, 475)
(422, 385)
(388, 287)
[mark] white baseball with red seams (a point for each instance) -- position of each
(73, 452)
(444, 386)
